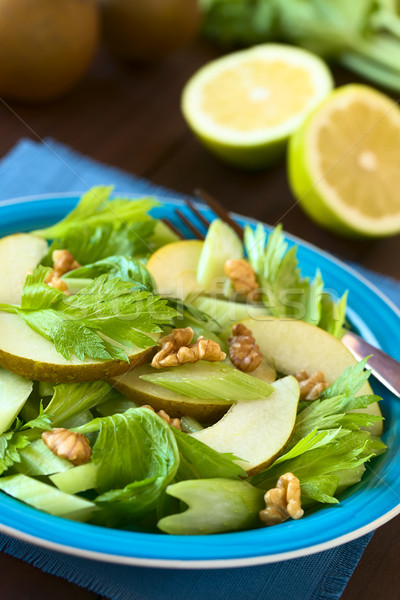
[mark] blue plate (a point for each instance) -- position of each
(369, 504)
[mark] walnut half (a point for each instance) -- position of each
(282, 502)
(242, 276)
(68, 444)
(176, 349)
(311, 386)
(243, 350)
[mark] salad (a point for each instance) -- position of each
(174, 386)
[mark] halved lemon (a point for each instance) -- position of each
(344, 163)
(244, 106)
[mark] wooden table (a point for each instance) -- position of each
(129, 117)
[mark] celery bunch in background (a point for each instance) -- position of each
(362, 35)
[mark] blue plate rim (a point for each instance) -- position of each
(212, 563)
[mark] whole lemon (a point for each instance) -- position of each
(147, 30)
(45, 46)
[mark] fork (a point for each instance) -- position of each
(385, 368)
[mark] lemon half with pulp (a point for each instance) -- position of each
(245, 105)
(344, 163)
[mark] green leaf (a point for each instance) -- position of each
(333, 314)
(137, 457)
(95, 209)
(106, 308)
(199, 461)
(121, 267)
(285, 292)
(71, 399)
(42, 421)
(133, 446)
(99, 227)
(350, 382)
(320, 489)
(10, 444)
(343, 453)
(90, 244)
(315, 439)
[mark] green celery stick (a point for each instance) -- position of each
(46, 497)
(227, 312)
(215, 506)
(37, 459)
(14, 392)
(190, 425)
(115, 405)
(211, 380)
(46, 389)
(77, 479)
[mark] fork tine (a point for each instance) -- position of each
(173, 228)
(190, 204)
(196, 232)
(219, 210)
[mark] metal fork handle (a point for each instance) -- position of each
(385, 368)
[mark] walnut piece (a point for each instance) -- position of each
(242, 276)
(165, 416)
(311, 387)
(64, 262)
(282, 502)
(176, 349)
(68, 444)
(243, 350)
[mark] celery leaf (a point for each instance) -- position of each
(96, 321)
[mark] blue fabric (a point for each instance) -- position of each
(49, 167)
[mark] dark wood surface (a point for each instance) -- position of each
(129, 117)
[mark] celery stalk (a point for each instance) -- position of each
(14, 392)
(115, 405)
(226, 313)
(211, 380)
(215, 506)
(77, 479)
(37, 459)
(190, 425)
(46, 497)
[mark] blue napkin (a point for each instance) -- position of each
(49, 167)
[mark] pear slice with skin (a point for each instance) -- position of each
(256, 431)
(176, 405)
(296, 345)
(27, 353)
(174, 268)
(19, 254)
(30, 355)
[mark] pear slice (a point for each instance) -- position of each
(14, 392)
(174, 268)
(30, 355)
(19, 254)
(27, 353)
(295, 345)
(176, 405)
(256, 431)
